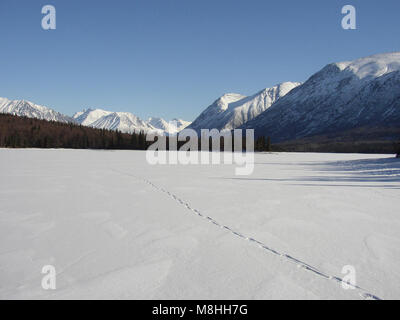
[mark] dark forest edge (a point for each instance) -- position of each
(23, 132)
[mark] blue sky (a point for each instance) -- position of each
(172, 58)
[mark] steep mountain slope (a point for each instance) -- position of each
(28, 109)
(345, 95)
(88, 116)
(232, 110)
(209, 117)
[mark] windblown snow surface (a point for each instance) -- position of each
(115, 227)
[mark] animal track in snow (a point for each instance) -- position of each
(299, 263)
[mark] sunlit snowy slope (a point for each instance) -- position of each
(127, 122)
(29, 109)
(115, 227)
(233, 110)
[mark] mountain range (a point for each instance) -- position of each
(97, 118)
(342, 96)
(127, 122)
(31, 110)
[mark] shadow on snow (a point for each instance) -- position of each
(343, 173)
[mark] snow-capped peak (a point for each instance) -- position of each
(233, 110)
(168, 127)
(88, 116)
(29, 109)
(373, 66)
(158, 123)
(127, 122)
(223, 102)
(94, 117)
(122, 121)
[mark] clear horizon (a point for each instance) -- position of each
(172, 59)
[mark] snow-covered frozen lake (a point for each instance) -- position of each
(115, 227)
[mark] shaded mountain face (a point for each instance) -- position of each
(342, 96)
(28, 109)
(233, 110)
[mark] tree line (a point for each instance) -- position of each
(23, 132)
